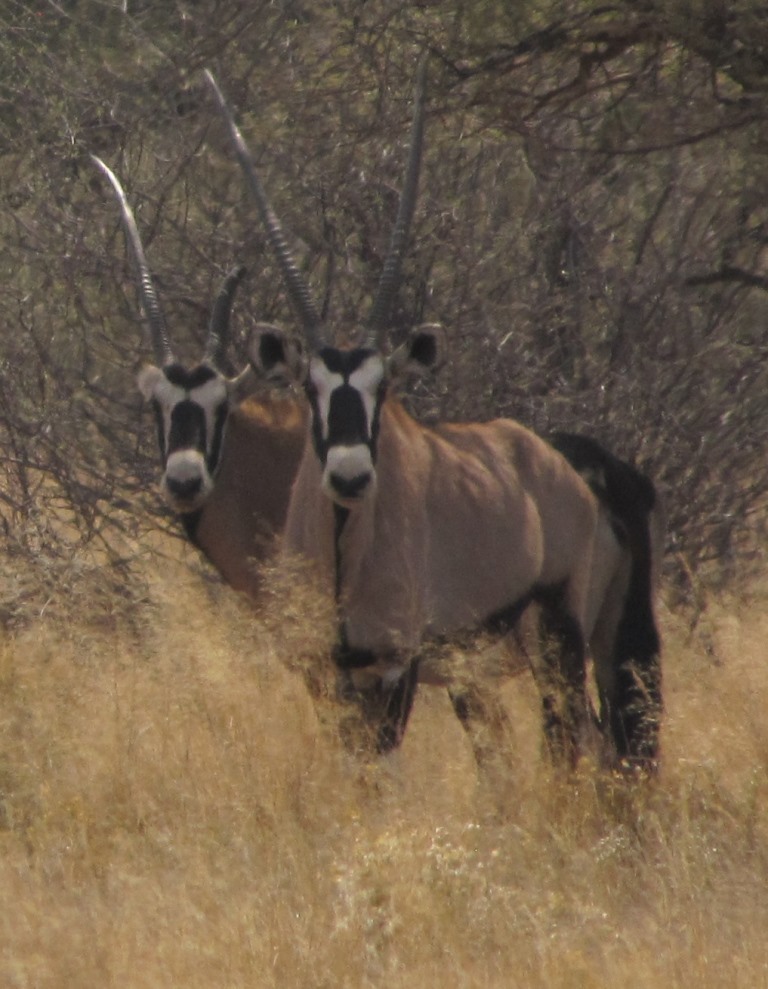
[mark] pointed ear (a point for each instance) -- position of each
(424, 351)
(148, 379)
(274, 356)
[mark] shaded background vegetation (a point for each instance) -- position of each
(592, 232)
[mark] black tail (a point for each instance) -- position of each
(630, 698)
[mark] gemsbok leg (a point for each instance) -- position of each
(561, 676)
(624, 640)
(444, 527)
(386, 707)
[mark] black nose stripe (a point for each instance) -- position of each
(347, 421)
(187, 427)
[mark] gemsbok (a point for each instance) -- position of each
(228, 456)
(423, 534)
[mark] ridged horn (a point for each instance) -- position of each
(147, 294)
(390, 276)
(296, 285)
(218, 329)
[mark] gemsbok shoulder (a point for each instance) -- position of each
(424, 534)
(228, 456)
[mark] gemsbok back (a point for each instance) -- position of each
(423, 534)
(228, 456)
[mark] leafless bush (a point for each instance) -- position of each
(592, 232)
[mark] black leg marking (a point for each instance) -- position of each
(631, 700)
(634, 707)
(462, 705)
(562, 677)
(478, 705)
(397, 709)
(480, 710)
(386, 708)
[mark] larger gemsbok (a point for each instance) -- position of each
(423, 534)
(228, 456)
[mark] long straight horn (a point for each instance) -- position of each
(298, 290)
(148, 296)
(218, 329)
(390, 275)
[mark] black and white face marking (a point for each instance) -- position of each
(345, 389)
(191, 410)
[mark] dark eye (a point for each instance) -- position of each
(310, 389)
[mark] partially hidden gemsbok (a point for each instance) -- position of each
(425, 534)
(228, 456)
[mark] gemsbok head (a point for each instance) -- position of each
(228, 457)
(423, 534)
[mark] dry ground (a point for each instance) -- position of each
(175, 813)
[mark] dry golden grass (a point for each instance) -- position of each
(174, 811)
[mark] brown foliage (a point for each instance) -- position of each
(591, 230)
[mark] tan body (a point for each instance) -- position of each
(461, 524)
(248, 503)
(422, 533)
(465, 521)
(228, 456)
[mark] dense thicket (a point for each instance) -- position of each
(592, 228)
